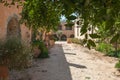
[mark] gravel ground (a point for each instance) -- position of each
(70, 62)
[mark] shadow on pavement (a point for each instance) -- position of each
(70, 53)
(77, 66)
(54, 68)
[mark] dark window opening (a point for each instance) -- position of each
(68, 28)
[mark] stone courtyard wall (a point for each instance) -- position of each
(8, 12)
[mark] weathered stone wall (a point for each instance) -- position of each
(6, 13)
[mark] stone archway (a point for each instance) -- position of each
(13, 28)
(63, 37)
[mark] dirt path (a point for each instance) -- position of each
(70, 62)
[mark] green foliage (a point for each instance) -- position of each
(71, 17)
(101, 14)
(94, 35)
(76, 41)
(117, 65)
(44, 50)
(40, 13)
(115, 38)
(91, 43)
(11, 2)
(42, 47)
(83, 29)
(114, 53)
(15, 54)
(105, 34)
(104, 47)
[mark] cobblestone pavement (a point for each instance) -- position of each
(70, 62)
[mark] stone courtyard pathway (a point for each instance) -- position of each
(72, 62)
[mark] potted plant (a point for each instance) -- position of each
(118, 65)
(69, 40)
(52, 40)
(3, 71)
(3, 63)
(36, 49)
(14, 54)
(39, 49)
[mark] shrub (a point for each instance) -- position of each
(76, 41)
(42, 47)
(104, 47)
(114, 53)
(15, 53)
(44, 50)
(117, 65)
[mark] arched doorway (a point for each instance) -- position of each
(63, 37)
(72, 36)
(13, 28)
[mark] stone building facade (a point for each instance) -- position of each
(9, 23)
(65, 32)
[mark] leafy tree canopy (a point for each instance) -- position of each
(99, 14)
(40, 13)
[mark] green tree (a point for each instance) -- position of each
(40, 13)
(46, 13)
(96, 13)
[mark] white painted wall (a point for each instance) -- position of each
(77, 29)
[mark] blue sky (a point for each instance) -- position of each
(63, 18)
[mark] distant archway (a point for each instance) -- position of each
(13, 28)
(72, 36)
(63, 37)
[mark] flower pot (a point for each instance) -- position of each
(68, 40)
(52, 42)
(4, 72)
(37, 52)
